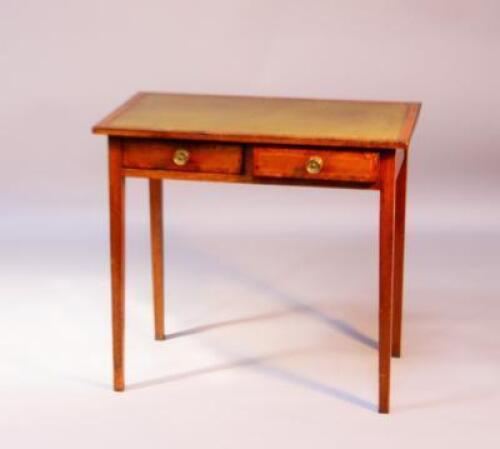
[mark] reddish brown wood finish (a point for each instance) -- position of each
(117, 233)
(399, 250)
(156, 223)
(386, 273)
(364, 162)
(203, 157)
(338, 165)
(245, 178)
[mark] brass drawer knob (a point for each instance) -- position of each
(314, 165)
(181, 157)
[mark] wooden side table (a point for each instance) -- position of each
(353, 144)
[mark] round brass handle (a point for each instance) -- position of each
(181, 157)
(314, 165)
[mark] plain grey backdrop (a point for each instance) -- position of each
(252, 273)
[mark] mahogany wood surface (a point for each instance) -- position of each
(117, 233)
(356, 166)
(203, 157)
(399, 250)
(361, 145)
(386, 274)
(156, 223)
(245, 179)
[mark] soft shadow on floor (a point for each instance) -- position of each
(294, 305)
(269, 290)
(261, 365)
(233, 322)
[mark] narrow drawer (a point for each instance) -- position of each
(321, 164)
(182, 156)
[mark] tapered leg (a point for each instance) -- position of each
(386, 267)
(117, 232)
(156, 221)
(399, 250)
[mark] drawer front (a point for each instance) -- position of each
(182, 156)
(325, 165)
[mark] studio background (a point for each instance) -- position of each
(271, 293)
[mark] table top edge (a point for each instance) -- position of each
(105, 127)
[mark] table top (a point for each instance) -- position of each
(273, 120)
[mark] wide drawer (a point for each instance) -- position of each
(183, 156)
(327, 165)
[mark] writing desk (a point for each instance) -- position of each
(256, 140)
